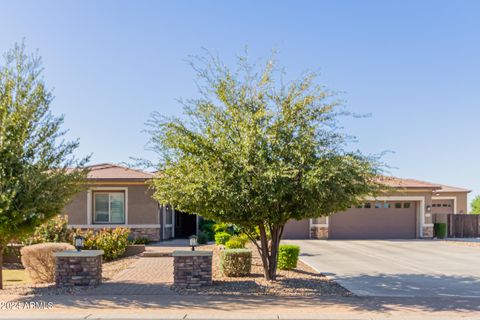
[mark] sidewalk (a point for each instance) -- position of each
(172, 306)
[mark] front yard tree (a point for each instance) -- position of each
(36, 179)
(475, 204)
(255, 152)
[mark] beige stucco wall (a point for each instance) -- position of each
(142, 209)
(462, 200)
(76, 210)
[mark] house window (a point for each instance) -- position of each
(386, 205)
(378, 205)
(367, 205)
(406, 205)
(109, 207)
(398, 205)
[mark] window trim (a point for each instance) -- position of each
(109, 193)
(90, 201)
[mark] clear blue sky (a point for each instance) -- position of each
(414, 65)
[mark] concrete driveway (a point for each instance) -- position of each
(396, 268)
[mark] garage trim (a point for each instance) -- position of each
(408, 198)
(421, 211)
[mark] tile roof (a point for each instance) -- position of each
(108, 171)
(452, 189)
(395, 182)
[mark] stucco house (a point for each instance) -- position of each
(120, 196)
(407, 212)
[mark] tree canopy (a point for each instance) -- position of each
(255, 151)
(38, 172)
(475, 205)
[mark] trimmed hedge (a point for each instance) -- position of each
(39, 261)
(222, 237)
(288, 256)
(440, 230)
(236, 262)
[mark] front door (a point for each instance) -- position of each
(185, 224)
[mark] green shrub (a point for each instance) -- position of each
(440, 230)
(288, 256)
(206, 226)
(222, 237)
(236, 242)
(202, 237)
(54, 230)
(224, 227)
(236, 262)
(113, 242)
(140, 240)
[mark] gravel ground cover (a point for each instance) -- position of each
(302, 281)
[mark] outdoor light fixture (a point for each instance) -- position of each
(429, 208)
(78, 242)
(193, 242)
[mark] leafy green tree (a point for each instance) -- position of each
(36, 175)
(255, 152)
(475, 204)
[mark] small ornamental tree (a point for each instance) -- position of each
(475, 204)
(36, 175)
(255, 152)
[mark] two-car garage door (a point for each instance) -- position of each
(375, 220)
(371, 220)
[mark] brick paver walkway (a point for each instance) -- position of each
(145, 276)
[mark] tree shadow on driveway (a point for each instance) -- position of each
(159, 296)
(410, 285)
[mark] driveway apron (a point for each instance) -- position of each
(397, 268)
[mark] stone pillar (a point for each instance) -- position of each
(78, 268)
(192, 268)
(428, 232)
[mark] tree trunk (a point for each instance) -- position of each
(269, 250)
(1, 267)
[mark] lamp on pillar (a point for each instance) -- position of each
(78, 242)
(193, 242)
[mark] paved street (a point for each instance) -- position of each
(410, 268)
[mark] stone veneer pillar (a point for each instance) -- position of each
(192, 268)
(78, 268)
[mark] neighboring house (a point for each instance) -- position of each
(120, 196)
(407, 212)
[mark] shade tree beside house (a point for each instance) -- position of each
(256, 153)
